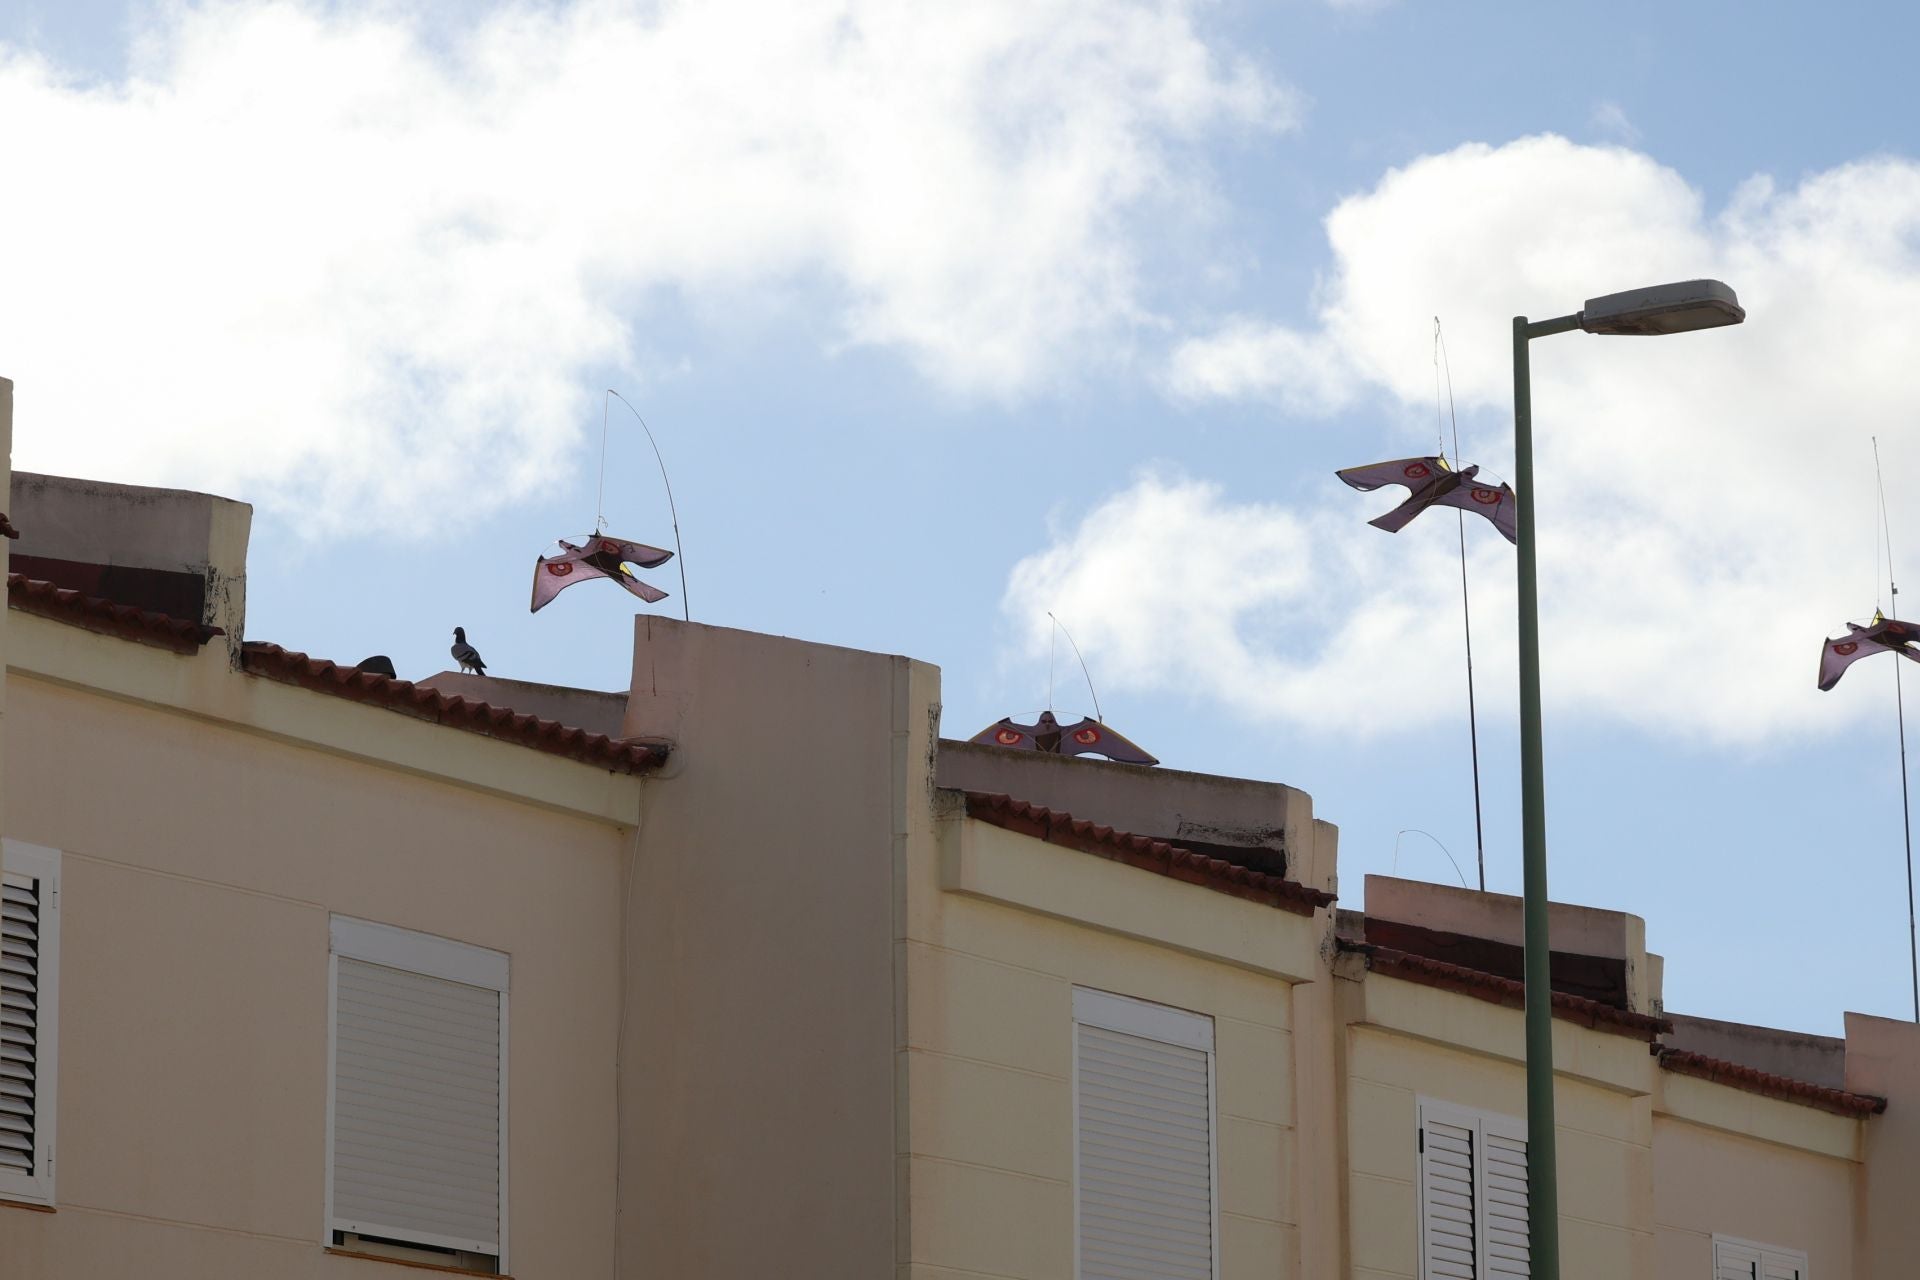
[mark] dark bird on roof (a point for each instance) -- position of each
(1433, 482)
(1883, 635)
(379, 664)
(1086, 737)
(466, 655)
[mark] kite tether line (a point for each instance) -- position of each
(1061, 629)
(1900, 711)
(600, 513)
(1466, 608)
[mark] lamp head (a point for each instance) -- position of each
(1663, 309)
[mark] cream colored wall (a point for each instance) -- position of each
(1709, 1181)
(1405, 1041)
(1883, 1059)
(200, 865)
(759, 1105)
(992, 961)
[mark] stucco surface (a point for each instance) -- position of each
(200, 864)
(1709, 1181)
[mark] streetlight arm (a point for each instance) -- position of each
(1560, 324)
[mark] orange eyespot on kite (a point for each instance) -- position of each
(1431, 482)
(1086, 737)
(596, 557)
(1882, 635)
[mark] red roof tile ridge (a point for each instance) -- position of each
(107, 617)
(273, 662)
(1144, 852)
(1785, 1088)
(1507, 991)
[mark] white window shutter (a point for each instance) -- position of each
(1449, 1157)
(1143, 1077)
(1503, 1195)
(1735, 1259)
(1473, 1194)
(29, 1003)
(417, 1147)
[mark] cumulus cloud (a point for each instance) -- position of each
(1706, 500)
(359, 261)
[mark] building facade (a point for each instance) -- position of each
(745, 971)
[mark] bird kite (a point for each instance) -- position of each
(1433, 482)
(1882, 635)
(466, 655)
(1087, 737)
(597, 557)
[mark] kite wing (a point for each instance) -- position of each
(554, 574)
(632, 552)
(1006, 733)
(1090, 737)
(1837, 655)
(651, 594)
(1493, 502)
(1411, 472)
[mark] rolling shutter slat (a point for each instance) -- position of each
(1145, 1159)
(416, 1105)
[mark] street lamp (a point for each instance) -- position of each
(1661, 309)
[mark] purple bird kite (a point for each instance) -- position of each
(1432, 482)
(1883, 635)
(1087, 737)
(597, 557)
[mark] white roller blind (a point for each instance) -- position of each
(1145, 1158)
(29, 950)
(417, 1150)
(1473, 1194)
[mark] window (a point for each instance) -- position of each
(29, 1013)
(1473, 1194)
(1145, 1202)
(416, 1104)
(1744, 1260)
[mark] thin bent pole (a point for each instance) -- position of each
(1473, 719)
(1906, 821)
(686, 610)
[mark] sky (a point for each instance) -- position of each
(948, 317)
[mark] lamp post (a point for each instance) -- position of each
(1662, 309)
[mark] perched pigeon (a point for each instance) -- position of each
(466, 655)
(1883, 635)
(597, 557)
(1433, 481)
(1087, 737)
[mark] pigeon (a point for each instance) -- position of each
(466, 655)
(597, 557)
(1086, 737)
(1433, 481)
(1883, 635)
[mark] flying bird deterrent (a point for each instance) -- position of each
(1882, 635)
(1433, 482)
(597, 556)
(1085, 737)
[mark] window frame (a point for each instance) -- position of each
(1181, 1028)
(1795, 1258)
(426, 955)
(38, 862)
(1513, 1128)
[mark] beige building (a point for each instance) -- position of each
(314, 971)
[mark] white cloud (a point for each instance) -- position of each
(1707, 502)
(347, 257)
(1610, 118)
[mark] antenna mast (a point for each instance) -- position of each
(1900, 711)
(1466, 607)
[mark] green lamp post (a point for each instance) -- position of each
(1662, 309)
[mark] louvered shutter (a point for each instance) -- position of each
(1503, 1198)
(1473, 1194)
(1449, 1239)
(1145, 1159)
(1780, 1266)
(416, 1144)
(29, 950)
(1735, 1259)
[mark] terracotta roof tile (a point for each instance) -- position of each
(1498, 990)
(30, 595)
(1839, 1101)
(1144, 852)
(272, 662)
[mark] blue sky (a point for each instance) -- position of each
(944, 319)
